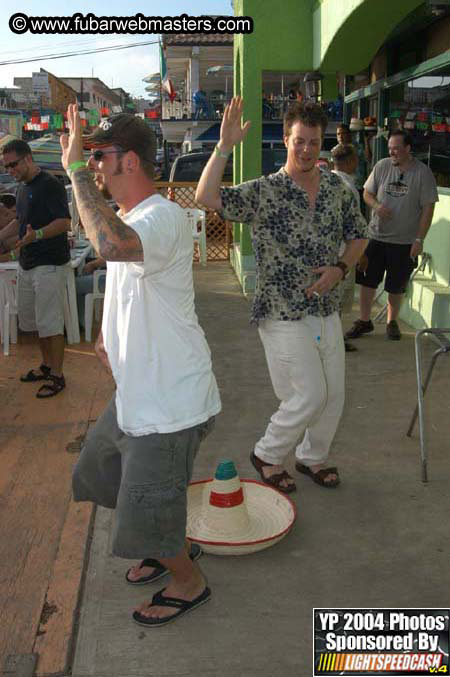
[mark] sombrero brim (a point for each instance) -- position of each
(271, 516)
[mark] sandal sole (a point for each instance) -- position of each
(170, 619)
(145, 580)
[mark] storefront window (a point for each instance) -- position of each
(421, 106)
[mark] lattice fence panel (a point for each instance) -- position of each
(218, 231)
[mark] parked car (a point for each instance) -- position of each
(189, 167)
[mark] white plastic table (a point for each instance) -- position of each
(78, 255)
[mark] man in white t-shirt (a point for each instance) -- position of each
(139, 456)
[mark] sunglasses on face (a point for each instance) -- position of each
(98, 154)
(13, 164)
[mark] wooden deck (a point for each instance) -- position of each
(43, 534)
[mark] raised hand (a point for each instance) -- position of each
(72, 143)
(231, 130)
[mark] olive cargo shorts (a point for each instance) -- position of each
(144, 478)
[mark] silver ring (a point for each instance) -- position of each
(316, 293)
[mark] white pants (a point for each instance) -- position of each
(306, 360)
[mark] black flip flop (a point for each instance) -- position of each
(34, 376)
(159, 569)
(182, 605)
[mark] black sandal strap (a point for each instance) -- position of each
(55, 385)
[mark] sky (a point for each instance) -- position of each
(124, 68)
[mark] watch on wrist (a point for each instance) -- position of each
(343, 266)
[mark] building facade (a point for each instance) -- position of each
(395, 58)
(92, 93)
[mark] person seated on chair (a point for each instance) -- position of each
(85, 284)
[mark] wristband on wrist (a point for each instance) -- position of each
(74, 166)
(220, 153)
(39, 234)
(419, 239)
(12, 255)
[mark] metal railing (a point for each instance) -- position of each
(199, 108)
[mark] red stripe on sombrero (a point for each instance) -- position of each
(258, 540)
(229, 500)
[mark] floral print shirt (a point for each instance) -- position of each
(290, 239)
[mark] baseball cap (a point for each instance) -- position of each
(127, 131)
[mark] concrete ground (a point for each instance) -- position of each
(379, 540)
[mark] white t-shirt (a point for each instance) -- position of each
(158, 353)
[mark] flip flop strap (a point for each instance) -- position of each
(160, 600)
(149, 562)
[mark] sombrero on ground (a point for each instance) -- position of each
(229, 516)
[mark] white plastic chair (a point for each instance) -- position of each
(89, 304)
(8, 305)
(197, 217)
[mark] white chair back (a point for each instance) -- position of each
(197, 221)
(8, 308)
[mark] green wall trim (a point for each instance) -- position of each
(348, 33)
(403, 76)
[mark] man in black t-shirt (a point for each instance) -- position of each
(41, 223)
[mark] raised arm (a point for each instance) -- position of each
(231, 132)
(112, 239)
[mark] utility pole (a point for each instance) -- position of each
(81, 94)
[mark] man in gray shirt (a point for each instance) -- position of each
(401, 192)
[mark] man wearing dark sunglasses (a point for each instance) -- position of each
(139, 456)
(41, 224)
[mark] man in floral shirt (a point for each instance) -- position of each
(298, 219)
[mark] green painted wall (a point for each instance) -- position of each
(263, 50)
(437, 242)
(427, 302)
(348, 33)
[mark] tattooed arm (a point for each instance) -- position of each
(110, 236)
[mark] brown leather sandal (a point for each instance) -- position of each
(320, 476)
(53, 386)
(273, 480)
